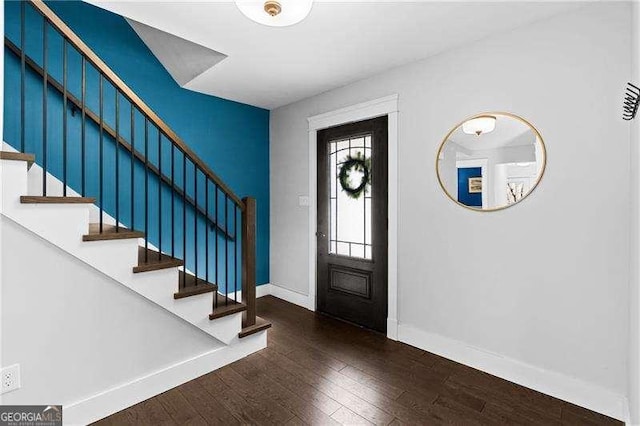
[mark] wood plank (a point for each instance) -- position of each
(247, 411)
(499, 413)
(226, 306)
(150, 413)
(260, 325)
(34, 199)
(207, 405)
(295, 385)
(507, 394)
(347, 417)
(375, 396)
(189, 285)
(388, 389)
(574, 415)
(109, 232)
(263, 401)
(18, 156)
(154, 261)
(180, 410)
(354, 402)
(264, 384)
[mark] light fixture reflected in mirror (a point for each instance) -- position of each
(275, 13)
(479, 125)
(491, 161)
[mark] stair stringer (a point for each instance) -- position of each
(64, 225)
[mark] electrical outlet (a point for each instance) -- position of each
(10, 378)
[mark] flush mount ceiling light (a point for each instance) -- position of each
(479, 125)
(275, 13)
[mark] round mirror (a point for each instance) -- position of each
(491, 161)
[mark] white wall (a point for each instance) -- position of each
(634, 290)
(459, 275)
(76, 332)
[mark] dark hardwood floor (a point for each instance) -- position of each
(318, 370)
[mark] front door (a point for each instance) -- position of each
(352, 223)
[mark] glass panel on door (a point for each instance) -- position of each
(350, 197)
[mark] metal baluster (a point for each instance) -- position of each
(184, 218)
(235, 254)
(146, 189)
(226, 250)
(64, 117)
(173, 222)
(101, 148)
(22, 74)
(206, 227)
(45, 90)
(133, 186)
(217, 228)
(159, 195)
(83, 125)
(195, 218)
(117, 160)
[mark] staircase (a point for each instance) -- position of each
(119, 190)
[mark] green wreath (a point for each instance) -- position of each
(357, 163)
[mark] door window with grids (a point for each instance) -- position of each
(350, 197)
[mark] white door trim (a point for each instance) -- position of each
(388, 106)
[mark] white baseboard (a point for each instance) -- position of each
(286, 294)
(392, 329)
(263, 290)
(120, 397)
(548, 382)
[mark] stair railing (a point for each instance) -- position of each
(173, 193)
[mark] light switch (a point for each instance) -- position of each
(303, 201)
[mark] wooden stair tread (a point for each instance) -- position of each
(189, 286)
(18, 156)
(36, 199)
(153, 263)
(109, 233)
(261, 324)
(230, 308)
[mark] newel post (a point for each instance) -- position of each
(249, 261)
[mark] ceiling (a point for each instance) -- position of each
(508, 132)
(338, 43)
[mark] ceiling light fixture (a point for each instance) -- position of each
(275, 13)
(479, 125)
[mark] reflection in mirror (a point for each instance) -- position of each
(491, 161)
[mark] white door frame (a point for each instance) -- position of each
(388, 106)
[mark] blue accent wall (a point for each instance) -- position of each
(230, 137)
(464, 197)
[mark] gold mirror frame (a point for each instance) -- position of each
(484, 114)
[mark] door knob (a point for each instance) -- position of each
(320, 234)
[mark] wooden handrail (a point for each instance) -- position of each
(77, 104)
(91, 56)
